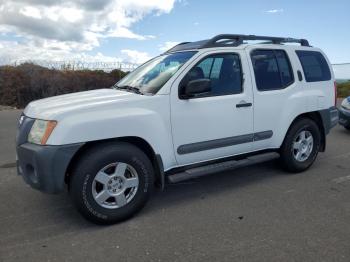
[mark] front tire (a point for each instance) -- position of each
(111, 182)
(301, 145)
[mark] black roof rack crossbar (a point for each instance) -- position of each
(234, 40)
(223, 40)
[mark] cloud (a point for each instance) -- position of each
(183, 2)
(75, 25)
(48, 29)
(31, 12)
(29, 52)
(134, 56)
(274, 11)
(167, 45)
(51, 52)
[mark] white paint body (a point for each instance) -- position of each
(166, 122)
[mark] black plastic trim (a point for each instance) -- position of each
(43, 167)
(300, 75)
(330, 118)
(244, 105)
(223, 142)
(220, 167)
(263, 135)
(160, 172)
(220, 160)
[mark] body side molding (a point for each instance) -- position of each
(223, 142)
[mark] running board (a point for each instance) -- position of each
(220, 167)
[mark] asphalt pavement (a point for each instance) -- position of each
(257, 213)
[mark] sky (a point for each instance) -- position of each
(136, 30)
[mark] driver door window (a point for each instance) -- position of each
(223, 70)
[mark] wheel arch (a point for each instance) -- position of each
(317, 118)
(139, 142)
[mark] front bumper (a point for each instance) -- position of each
(344, 117)
(44, 167)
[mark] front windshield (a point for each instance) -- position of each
(151, 76)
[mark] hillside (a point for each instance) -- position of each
(343, 88)
(27, 82)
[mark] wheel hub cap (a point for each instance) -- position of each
(303, 145)
(115, 185)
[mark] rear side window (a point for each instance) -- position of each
(272, 69)
(314, 65)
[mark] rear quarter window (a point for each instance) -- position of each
(314, 65)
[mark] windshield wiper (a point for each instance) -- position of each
(129, 88)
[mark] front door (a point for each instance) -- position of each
(218, 123)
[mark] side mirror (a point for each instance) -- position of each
(196, 88)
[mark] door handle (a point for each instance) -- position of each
(244, 104)
(300, 75)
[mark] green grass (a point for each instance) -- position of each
(343, 89)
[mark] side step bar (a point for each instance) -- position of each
(220, 167)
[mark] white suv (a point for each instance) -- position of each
(199, 108)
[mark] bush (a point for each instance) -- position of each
(343, 89)
(22, 84)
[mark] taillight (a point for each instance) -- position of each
(335, 93)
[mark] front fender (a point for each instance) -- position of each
(151, 126)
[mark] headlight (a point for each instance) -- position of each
(346, 103)
(41, 131)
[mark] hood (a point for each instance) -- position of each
(53, 107)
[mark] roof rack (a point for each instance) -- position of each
(236, 40)
(225, 40)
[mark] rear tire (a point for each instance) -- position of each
(347, 127)
(111, 182)
(301, 145)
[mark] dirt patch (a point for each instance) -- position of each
(3, 108)
(8, 165)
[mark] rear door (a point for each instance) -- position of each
(274, 90)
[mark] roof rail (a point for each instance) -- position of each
(187, 46)
(176, 46)
(234, 40)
